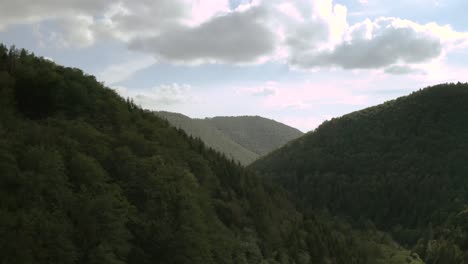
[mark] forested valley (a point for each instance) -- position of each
(87, 176)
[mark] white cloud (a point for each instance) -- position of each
(120, 72)
(161, 96)
(76, 31)
(268, 89)
(203, 11)
(382, 43)
(307, 94)
(48, 59)
(303, 33)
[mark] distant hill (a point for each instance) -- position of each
(243, 138)
(402, 165)
(258, 134)
(211, 136)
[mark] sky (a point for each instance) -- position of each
(300, 62)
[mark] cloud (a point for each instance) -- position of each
(48, 59)
(28, 11)
(74, 32)
(163, 96)
(402, 69)
(307, 95)
(268, 89)
(128, 19)
(121, 72)
(160, 96)
(74, 17)
(307, 34)
(237, 37)
(373, 45)
(265, 91)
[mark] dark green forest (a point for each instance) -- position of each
(89, 177)
(401, 166)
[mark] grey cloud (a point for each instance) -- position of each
(74, 19)
(402, 70)
(265, 91)
(149, 15)
(238, 37)
(27, 11)
(107, 18)
(159, 28)
(73, 32)
(389, 46)
(165, 95)
(306, 36)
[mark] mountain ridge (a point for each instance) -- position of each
(242, 138)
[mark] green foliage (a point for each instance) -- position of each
(88, 177)
(401, 165)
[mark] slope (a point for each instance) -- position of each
(258, 134)
(402, 165)
(211, 136)
(242, 138)
(88, 177)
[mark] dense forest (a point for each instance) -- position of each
(89, 177)
(401, 166)
(242, 138)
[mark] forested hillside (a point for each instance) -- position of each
(258, 134)
(402, 166)
(211, 136)
(88, 177)
(242, 138)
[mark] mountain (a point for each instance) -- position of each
(211, 136)
(258, 134)
(401, 165)
(243, 138)
(88, 177)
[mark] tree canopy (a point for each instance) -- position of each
(401, 165)
(89, 177)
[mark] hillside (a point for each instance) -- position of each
(243, 138)
(258, 134)
(211, 136)
(402, 165)
(88, 177)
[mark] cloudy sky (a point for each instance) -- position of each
(299, 62)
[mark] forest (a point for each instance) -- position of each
(87, 176)
(400, 166)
